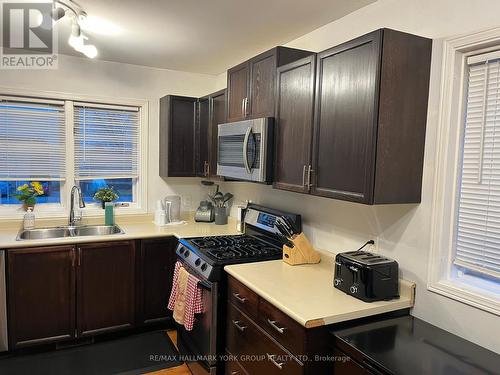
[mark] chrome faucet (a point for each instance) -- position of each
(81, 204)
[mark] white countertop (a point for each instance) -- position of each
(134, 228)
(306, 292)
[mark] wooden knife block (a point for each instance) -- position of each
(301, 253)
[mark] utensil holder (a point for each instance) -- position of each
(301, 253)
(220, 215)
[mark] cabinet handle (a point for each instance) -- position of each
(243, 107)
(309, 173)
(277, 364)
(304, 170)
(246, 107)
(208, 169)
(235, 372)
(239, 298)
(205, 169)
(237, 325)
(273, 324)
(79, 256)
(73, 256)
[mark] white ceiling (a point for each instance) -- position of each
(204, 36)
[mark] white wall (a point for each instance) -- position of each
(402, 232)
(114, 80)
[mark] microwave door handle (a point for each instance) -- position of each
(245, 150)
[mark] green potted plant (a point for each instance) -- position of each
(28, 193)
(106, 194)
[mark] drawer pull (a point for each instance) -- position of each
(272, 323)
(277, 364)
(237, 325)
(239, 298)
(235, 372)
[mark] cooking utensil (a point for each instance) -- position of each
(227, 197)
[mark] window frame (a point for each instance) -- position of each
(442, 276)
(51, 210)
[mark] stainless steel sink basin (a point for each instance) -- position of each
(98, 230)
(63, 232)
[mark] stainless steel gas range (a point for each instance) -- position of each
(205, 258)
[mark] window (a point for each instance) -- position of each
(32, 148)
(464, 262)
(61, 142)
(106, 149)
(477, 249)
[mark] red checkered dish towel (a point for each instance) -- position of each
(186, 297)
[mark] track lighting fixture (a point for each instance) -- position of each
(78, 15)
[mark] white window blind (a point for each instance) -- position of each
(32, 140)
(106, 142)
(478, 225)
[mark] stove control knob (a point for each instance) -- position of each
(353, 289)
(181, 250)
(186, 253)
(197, 262)
(203, 266)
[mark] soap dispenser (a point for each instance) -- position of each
(29, 219)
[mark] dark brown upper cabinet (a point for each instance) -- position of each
(251, 85)
(211, 113)
(188, 134)
(41, 295)
(217, 116)
(177, 136)
(202, 151)
(370, 116)
(238, 91)
(294, 119)
(371, 113)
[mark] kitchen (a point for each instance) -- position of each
(173, 71)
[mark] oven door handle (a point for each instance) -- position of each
(245, 150)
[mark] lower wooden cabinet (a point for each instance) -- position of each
(59, 293)
(105, 287)
(155, 268)
(264, 340)
(41, 295)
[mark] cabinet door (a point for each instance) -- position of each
(41, 295)
(217, 116)
(345, 126)
(262, 89)
(105, 287)
(294, 116)
(177, 136)
(238, 92)
(202, 138)
(155, 272)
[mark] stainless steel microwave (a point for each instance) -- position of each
(245, 150)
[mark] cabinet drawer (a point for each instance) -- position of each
(242, 297)
(232, 367)
(284, 329)
(257, 352)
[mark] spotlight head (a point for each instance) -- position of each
(57, 13)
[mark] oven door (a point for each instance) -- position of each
(199, 346)
(245, 150)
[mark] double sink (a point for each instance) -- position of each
(68, 231)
